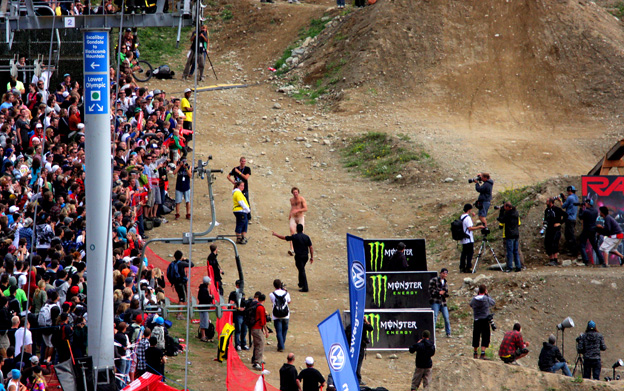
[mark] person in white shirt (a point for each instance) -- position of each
(280, 313)
(20, 340)
(465, 261)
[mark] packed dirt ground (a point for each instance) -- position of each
(528, 91)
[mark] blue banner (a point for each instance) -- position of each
(335, 345)
(357, 294)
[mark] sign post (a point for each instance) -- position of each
(98, 196)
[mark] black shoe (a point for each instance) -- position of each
(507, 270)
(518, 269)
(303, 290)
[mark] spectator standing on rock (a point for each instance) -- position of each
(588, 216)
(590, 345)
(241, 211)
(570, 205)
(242, 174)
(612, 233)
(550, 358)
(301, 244)
(280, 313)
(513, 346)
(438, 292)
(481, 305)
(424, 349)
(554, 216)
(509, 220)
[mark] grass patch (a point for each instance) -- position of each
(226, 14)
(618, 10)
(314, 29)
(158, 44)
(378, 156)
(309, 96)
(521, 198)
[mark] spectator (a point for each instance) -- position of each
(259, 333)
(288, 374)
(481, 305)
(237, 298)
(550, 358)
(424, 350)
(513, 346)
(183, 187)
(155, 358)
(280, 313)
(204, 298)
(310, 377)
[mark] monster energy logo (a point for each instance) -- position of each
(379, 283)
(376, 254)
(374, 320)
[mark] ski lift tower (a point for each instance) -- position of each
(18, 15)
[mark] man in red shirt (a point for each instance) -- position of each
(513, 347)
(259, 333)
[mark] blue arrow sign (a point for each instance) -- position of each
(96, 94)
(96, 51)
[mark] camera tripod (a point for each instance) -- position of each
(485, 242)
(578, 363)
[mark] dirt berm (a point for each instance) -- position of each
(483, 57)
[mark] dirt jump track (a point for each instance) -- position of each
(527, 90)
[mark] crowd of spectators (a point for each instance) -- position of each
(43, 276)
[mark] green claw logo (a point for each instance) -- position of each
(374, 320)
(380, 284)
(377, 254)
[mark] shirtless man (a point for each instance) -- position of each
(298, 206)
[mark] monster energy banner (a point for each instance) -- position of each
(379, 255)
(398, 290)
(397, 329)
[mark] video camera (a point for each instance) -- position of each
(497, 207)
(475, 179)
(562, 197)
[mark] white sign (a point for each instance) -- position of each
(70, 22)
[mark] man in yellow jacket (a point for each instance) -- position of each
(241, 211)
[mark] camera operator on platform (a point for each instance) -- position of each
(570, 204)
(554, 216)
(483, 186)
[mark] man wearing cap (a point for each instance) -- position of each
(310, 377)
(438, 292)
(240, 328)
(187, 109)
(550, 358)
(612, 236)
(588, 216)
(570, 205)
(590, 344)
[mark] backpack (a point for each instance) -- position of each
(457, 229)
(249, 314)
(173, 273)
(280, 307)
(159, 333)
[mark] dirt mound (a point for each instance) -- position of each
(518, 59)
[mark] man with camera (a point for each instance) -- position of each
(183, 187)
(483, 186)
(590, 344)
(481, 305)
(570, 204)
(513, 347)
(465, 260)
(438, 293)
(588, 216)
(510, 221)
(554, 216)
(612, 236)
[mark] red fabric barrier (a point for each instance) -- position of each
(196, 275)
(240, 378)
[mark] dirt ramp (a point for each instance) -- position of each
(526, 61)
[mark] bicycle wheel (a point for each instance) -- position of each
(145, 71)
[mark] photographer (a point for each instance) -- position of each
(510, 221)
(589, 345)
(570, 204)
(553, 218)
(588, 216)
(550, 358)
(613, 235)
(483, 186)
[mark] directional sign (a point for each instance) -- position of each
(96, 51)
(96, 99)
